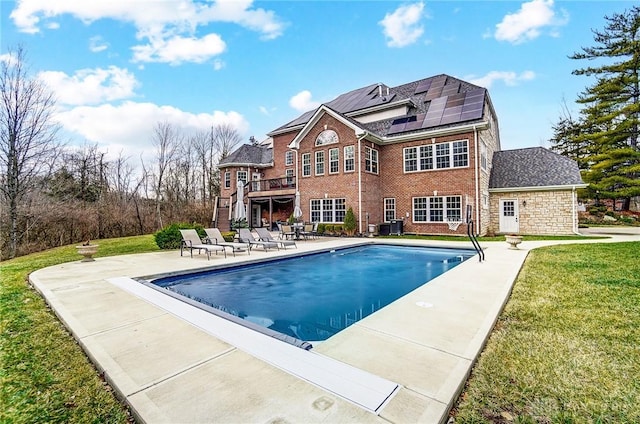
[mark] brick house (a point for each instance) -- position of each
(417, 156)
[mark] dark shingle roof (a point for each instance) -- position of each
(250, 155)
(533, 167)
(434, 102)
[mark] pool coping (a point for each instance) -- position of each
(426, 342)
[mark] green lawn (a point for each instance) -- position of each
(44, 375)
(565, 349)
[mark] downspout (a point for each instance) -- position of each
(477, 179)
(360, 138)
(574, 198)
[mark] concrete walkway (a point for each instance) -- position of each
(171, 369)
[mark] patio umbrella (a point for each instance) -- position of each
(297, 212)
(240, 212)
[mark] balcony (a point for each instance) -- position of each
(271, 185)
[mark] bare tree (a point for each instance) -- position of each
(28, 144)
(225, 138)
(167, 142)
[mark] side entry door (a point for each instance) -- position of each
(509, 216)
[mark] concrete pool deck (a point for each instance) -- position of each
(169, 370)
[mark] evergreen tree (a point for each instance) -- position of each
(607, 131)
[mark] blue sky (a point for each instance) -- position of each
(118, 67)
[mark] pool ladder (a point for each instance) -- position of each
(474, 240)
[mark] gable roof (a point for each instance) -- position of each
(440, 101)
(533, 167)
(249, 155)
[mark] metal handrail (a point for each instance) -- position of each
(474, 240)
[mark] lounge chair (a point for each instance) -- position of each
(265, 235)
(215, 237)
(191, 240)
(245, 236)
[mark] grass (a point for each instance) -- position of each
(44, 375)
(566, 349)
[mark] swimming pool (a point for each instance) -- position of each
(312, 297)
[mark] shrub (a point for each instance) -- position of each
(350, 222)
(337, 229)
(597, 210)
(239, 223)
(321, 228)
(170, 238)
(228, 235)
(329, 228)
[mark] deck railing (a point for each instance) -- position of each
(283, 183)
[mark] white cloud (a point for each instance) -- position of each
(402, 27)
(9, 58)
(218, 64)
(527, 23)
(168, 25)
(128, 127)
(302, 101)
(179, 49)
(90, 86)
(97, 44)
(509, 78)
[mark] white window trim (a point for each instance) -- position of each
(227, 179)
(333, 209)
(368, 152)
(385, 210)
(288, 158)
(307, 155)
(352, 158)
(428, 210)
(246, 176)
(434, 158)
(337, 161)
(316, 162)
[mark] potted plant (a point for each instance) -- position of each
(514, 240)
(87, 250)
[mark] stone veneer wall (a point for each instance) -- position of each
(546, 212)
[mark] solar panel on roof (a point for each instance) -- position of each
(451, 115)
(423, 87)
(474, 114)
(451, 89)
(456, 100)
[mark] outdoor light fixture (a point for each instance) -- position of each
(524, 203)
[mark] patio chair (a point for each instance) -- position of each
(215, 237)
(245, 236)
(307, 231)
(191, 240)
(287, 232)
(265, 235)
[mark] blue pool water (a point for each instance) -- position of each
(313, 297)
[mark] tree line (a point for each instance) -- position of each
(603, 138)
(52, 194)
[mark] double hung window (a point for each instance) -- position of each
(349, 159)
(306, 164)
(453, 154)
(328, 210)
(437, 209)
(320, 162)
